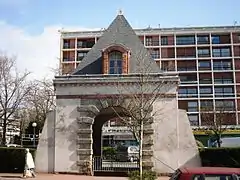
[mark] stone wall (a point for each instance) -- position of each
(66, 141)
(174, 143)
(45, 155)
(66, 135)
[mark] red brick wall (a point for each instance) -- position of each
(236, 38)
(125, 63)
(236, 50)
(105, 63)
(170, 40)
(69, 55)
(72, 43)
(167, 53)
(237, 75)
(237, 63)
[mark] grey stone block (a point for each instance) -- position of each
(85, 141)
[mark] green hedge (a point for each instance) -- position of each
(13, 159)
(221, 157)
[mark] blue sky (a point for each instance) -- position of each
(29, 28)
(36, 14)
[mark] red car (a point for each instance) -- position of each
(206, 173)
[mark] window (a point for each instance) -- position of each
(221, 52)
(188, 79)
(203, 52)
(205, 80)
(203, 39)
(66, 44)
(186, 68)
(223, 80)
(188, 92)
(204, 65)
(115, 65)
(205, 91)
(85, 43)
(222, 65)
(185, 40)
(155, 54)
(192, 106)
(164, 40)
(193, 118)
(227, 105)
(148, 41)
(206, 105)
(224, 91)
(215, 39)
(81, 55)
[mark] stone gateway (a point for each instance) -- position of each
(71, 136)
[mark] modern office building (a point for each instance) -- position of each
(207, 59)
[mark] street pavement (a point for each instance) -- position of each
(64, 177)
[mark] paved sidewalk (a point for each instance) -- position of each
(64, 177)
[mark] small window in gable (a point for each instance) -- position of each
(115, 62)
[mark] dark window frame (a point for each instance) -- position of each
(185, 40)
(164, 40)
(115, 62)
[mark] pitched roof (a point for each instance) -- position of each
(118, 33)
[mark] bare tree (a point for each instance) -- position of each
(133, 104)
(39, 101)
(13, 90)
(217, 120)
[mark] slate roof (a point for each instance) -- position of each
(118, 33)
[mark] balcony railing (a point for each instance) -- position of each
(224, 94)
(189, 68)
(187, 95)
(152, 43)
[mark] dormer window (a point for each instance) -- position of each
(115, 59)
(115, 62)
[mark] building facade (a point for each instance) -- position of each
(206, 58)
(71, 139)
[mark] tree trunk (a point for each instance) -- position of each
(141, 151)
(219, 140)
(4, 129)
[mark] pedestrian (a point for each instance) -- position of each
(29, 169)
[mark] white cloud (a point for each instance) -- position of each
(36, 53)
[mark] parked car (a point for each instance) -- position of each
(127, 153)
(206, 173)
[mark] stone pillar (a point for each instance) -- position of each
(85, 139)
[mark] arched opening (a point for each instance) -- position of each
(115, 62)
(109, 132)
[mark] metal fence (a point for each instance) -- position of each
(111, 165)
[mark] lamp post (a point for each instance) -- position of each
(34, 133)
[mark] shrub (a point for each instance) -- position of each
(147, 175)
(221, 157)
(109, 152)
(13, 159)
